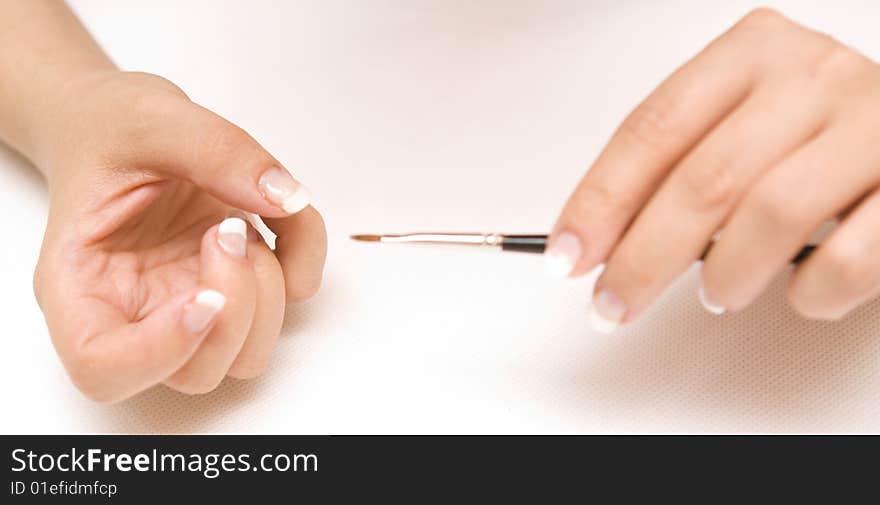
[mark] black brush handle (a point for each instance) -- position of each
(524, 243)
(536, 244)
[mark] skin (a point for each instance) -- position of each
(139, 178)
(766, 134)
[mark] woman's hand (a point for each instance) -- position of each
(769, 132)
(139, 280)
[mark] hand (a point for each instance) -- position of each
(138, 283)
(768, 133)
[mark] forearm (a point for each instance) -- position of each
(43, 50)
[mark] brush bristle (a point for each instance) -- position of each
(367, 238)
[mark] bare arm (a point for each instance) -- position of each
(43, 50)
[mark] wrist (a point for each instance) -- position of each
(58, 117)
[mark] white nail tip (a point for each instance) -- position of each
(708, 304)
(233, 226)
(232, 236)
(211, 299)
(299, 200)
(599, 322)
(557, 265)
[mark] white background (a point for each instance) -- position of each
(405, 115)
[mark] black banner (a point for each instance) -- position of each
(124, 469)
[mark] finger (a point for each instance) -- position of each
(214, 154)
(674, 228)
(844, 272)
(785, 207)
(301, 247)
(132, 356)
(253, 358)
(224, 267)
(645, 147)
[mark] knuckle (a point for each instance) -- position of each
(224, 141)
(778, 206)
(640, 275)
(597, 194)
(652, 124)
(154, 81)
(711, 183)
(762, 18)
(632, 268)
(147, 104)
(595, 198)
(146, 109)
(759, 29)
(840, 63)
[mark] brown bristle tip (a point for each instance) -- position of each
(367, 238)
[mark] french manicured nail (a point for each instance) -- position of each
(606, 311)
(202, 311)
(232, 236)
(282, 190)
(708, 303)
(563, 254)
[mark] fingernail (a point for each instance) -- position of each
(282, 190)
(707, 302)
(200, 312)
(232, 236)
(252, 234)
(606, 311)
(563, 254)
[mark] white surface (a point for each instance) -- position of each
(461, 115)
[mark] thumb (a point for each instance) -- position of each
(187, 141)
(129, 358)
